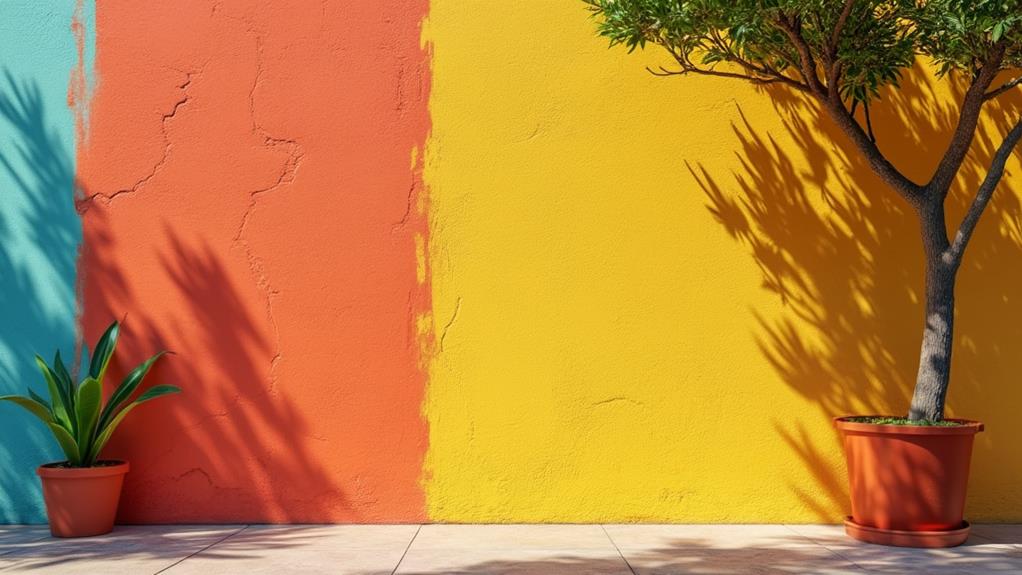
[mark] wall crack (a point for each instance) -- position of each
(286, 176)
(84, 203)
(450, 322)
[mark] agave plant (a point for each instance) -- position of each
(75, 413)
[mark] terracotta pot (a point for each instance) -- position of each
(82, 501)
(908, 483)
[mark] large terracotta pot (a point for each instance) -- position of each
(82, 501)
(908, 483)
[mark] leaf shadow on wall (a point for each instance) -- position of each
(843, 253)
(230, 441)
(39, 236)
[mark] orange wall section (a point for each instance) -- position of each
(251, 200)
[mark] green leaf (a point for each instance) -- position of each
(106, 431)
(126, 388)
(60, 400)
(89, 397)
(103, 352)
(997, 32)
(63, 377)
(40, 399)
(32, 405)
(67, 444)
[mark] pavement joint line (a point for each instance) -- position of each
(824, 546)
(407, 547)
(618, 549)
(217, 542)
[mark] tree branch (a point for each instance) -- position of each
(1002, 89)
(985, 192)
(808, 63)
(835, 36)
(881, 166)
(965, 131)
(830, 97)
(756, 75)
(869, 122)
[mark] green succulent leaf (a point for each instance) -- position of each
(75, 414)
(105, 431)
(41, 400)
(127, 388)
(60, 400)
(32, 405)
(63, 377)
(67, 444)
(103, 352)
(87, 404)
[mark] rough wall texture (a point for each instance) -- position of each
(39, 230)
(251, 184)
(624, 298)
(653, 293)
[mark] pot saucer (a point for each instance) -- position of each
(897, 538)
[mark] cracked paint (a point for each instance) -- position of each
(260, 245)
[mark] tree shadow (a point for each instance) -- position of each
(718, 550)
(39, 237)
(843, 254)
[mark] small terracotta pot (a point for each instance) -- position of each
(82, 501)
(908, 483)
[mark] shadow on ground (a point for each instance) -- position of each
(320, 549)
(843, 253)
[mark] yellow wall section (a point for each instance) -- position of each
(620, 340)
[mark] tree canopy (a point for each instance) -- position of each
(857, 46)
(842, 53)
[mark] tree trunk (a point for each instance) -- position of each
(935, 355)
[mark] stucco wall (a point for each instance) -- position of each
(41, 73)
(654, 293)
(456, 261)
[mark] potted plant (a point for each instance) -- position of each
(907, 474)
(81, 492)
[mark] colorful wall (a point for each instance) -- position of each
(427, 260)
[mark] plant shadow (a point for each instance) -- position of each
(229, 437)
(39, 234)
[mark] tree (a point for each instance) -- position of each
(840, 54)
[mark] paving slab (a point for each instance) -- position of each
(977, 556)
(128, 549)
(512, 537)
(497, 550)
(1009, 534)
(512, 562)
(724, 549)
(14, 537)
(652, 537)
(512, 549)
(276, 550)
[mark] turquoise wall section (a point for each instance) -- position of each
(39, 229)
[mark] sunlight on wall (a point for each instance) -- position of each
(652, 294)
